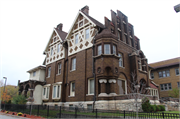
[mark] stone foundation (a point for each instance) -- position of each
(128, 105)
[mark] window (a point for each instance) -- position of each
(139, 64)
(106, 48)
(54, 39)
(51, 51)
(166, 86)
(121, 86)
(71, 107)
(152, 75)
(91, 86)
(59, 68)
(76, 39)
(114, 49)
(56, 91)
(58, 48)
(73, 64)
(164, 73)
(120, 60)
(89, 106)
(72, 89)
(119, 36)
(87, 33)
(49, 71)
(34, 73)
(177, 71)
(178, 83)
(99, 50)
(46, 92)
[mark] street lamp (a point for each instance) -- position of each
(177, 8)
(4, 88)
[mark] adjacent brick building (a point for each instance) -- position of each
(166, 74)
(92, 63)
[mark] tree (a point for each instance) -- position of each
(174, 93)
(136, 91)
(5, 97)
(10, 91)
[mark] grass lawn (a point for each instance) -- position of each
(171, 112)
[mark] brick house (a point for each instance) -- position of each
(166, 74)
(91, 64)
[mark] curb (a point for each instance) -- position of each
(13, 116)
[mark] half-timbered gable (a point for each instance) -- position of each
(54, 50)
(81, 33)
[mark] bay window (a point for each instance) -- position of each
(106, 48)
(99, 50)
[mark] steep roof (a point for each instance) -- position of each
(62, 34)
(94, 20)
(106, 34)
(165, 63)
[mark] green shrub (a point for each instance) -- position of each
(158, 108)
(19, 99)
(146, 106)
(153, 108)
(162, 107)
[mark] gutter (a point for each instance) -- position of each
(93, 68)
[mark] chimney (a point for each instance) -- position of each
(85, 9)
(59, 27)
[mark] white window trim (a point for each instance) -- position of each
(109, 49)
(178, 70)
(34, 73)
(125, 85)
(44, 97)
(151, 75)
(51, 51)
(72, 64)
(100, 49)
(58, 68)
(89, 87)
(121, 60)
(49, 74)
(114, 46)
(85, 33)
(58, 47)
(72, 93)
(75, 39)
(56, 84)
(164, 87)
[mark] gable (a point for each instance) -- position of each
(54, 50)
(81, 34)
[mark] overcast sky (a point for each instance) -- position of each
(26, 26)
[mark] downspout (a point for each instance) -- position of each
(93, 68)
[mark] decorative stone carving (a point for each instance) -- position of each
(102, 81)
(112, 80)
